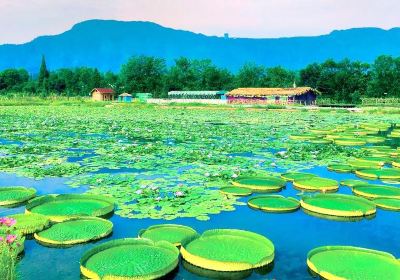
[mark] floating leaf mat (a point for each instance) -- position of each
(274, 203)
(75, 231)
(338, 205)
(30, 223)
(317, 184)
(387, 203)
(345, 262)
(64, 206)
(237, 191)
(376, 173)
(342, 168)
(175, 234)
(10, 196)
(292, 176)
(374, 191)
(130, 258)
(260, 184)
(229, 250)
(353, 183)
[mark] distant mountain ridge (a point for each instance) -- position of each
(107, 44)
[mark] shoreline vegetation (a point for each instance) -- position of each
(340, 82)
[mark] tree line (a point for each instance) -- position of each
(342, 81)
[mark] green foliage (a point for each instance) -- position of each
(175, 234)
(230, 249)
(345, 262)
(64, 206)
(10, 196)
(274, 203)
(74, 231)
(146, 259)
(30, 223)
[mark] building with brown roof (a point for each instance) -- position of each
(301, 95)
(102, 94)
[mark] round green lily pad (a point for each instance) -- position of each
(387, 203)
(176, 234)
(260, 184)
(364, 164)
(345, 262)
(65, 206)
(75, 231)
(303, 137)
(376, 173)
(293, 176)
(10, 196)
(238, 191)
(317, 184)
(353, 183)
(320, 141)
(229, 250)
(349, 142)
(340, 205)
(130, 258)
(342, 168)
(30, 223)
(396, 164)
(374, 191)
(274, 203)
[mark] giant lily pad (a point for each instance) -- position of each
(345, 262)
(374, 191)
(237, 191)
(384, 173)
(75, 231)
(260, 184)
(317, 184)
(292, 176)
(387, 203)
(30, 223)
(64, 206)
(176, 234)
(10, 196)
(229, 250)
(338, 205)
(130, 258)
(274, 203)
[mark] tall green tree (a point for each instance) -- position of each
(385, 77)
(250, 75)
(43, 75)
(143, 74)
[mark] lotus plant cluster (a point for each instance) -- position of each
(10, 242)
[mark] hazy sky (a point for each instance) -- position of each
(23, 20)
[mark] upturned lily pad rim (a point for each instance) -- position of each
(376, 173)
(340, 168)
(30, 193)
(173, 227)
(328, 275)
(53, 242)
(30, 230)
(219, 265)
(360, 191)
(129, 242)
(311, 184)
(381, 202)
(41, 200)
(287, 176)
(306, 203)
(276, 183)
(274, 209)
(236, 191)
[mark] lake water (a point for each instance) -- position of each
(293, 234)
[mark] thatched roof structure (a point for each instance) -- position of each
(265, 92)
(195, 93)
(125, 94)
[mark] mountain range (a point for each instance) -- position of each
(107, 44)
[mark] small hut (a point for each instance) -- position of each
(102, 94)
(300, 95)
(125, 97)
(143, 96)
(204, 94)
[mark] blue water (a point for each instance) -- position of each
(293, 234)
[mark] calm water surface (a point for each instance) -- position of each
(293, 234)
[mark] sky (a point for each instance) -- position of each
(23, 20)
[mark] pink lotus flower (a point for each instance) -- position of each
(9, 222)
(1, 238)
(11, 238)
